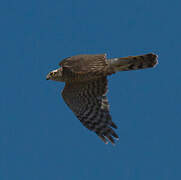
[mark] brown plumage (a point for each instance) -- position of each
(86, 87)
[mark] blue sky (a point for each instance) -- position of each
(40, 138)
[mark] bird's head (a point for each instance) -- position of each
(55, 75)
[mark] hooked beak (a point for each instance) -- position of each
(48, 77)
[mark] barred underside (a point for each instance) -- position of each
(89, 103)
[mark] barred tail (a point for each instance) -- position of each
(133, 62)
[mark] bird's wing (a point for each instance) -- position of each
(83, 64)
(89, 103)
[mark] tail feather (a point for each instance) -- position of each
(133, 62)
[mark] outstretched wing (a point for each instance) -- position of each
(89, 103)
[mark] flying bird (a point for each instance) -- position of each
(86, 85)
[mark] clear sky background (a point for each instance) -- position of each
(41, 139)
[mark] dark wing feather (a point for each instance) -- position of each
(82, 64)
(89, 103)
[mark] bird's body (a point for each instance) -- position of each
(86, 86)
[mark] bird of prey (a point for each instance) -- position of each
(85, 78)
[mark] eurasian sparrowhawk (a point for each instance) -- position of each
(85, 78)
